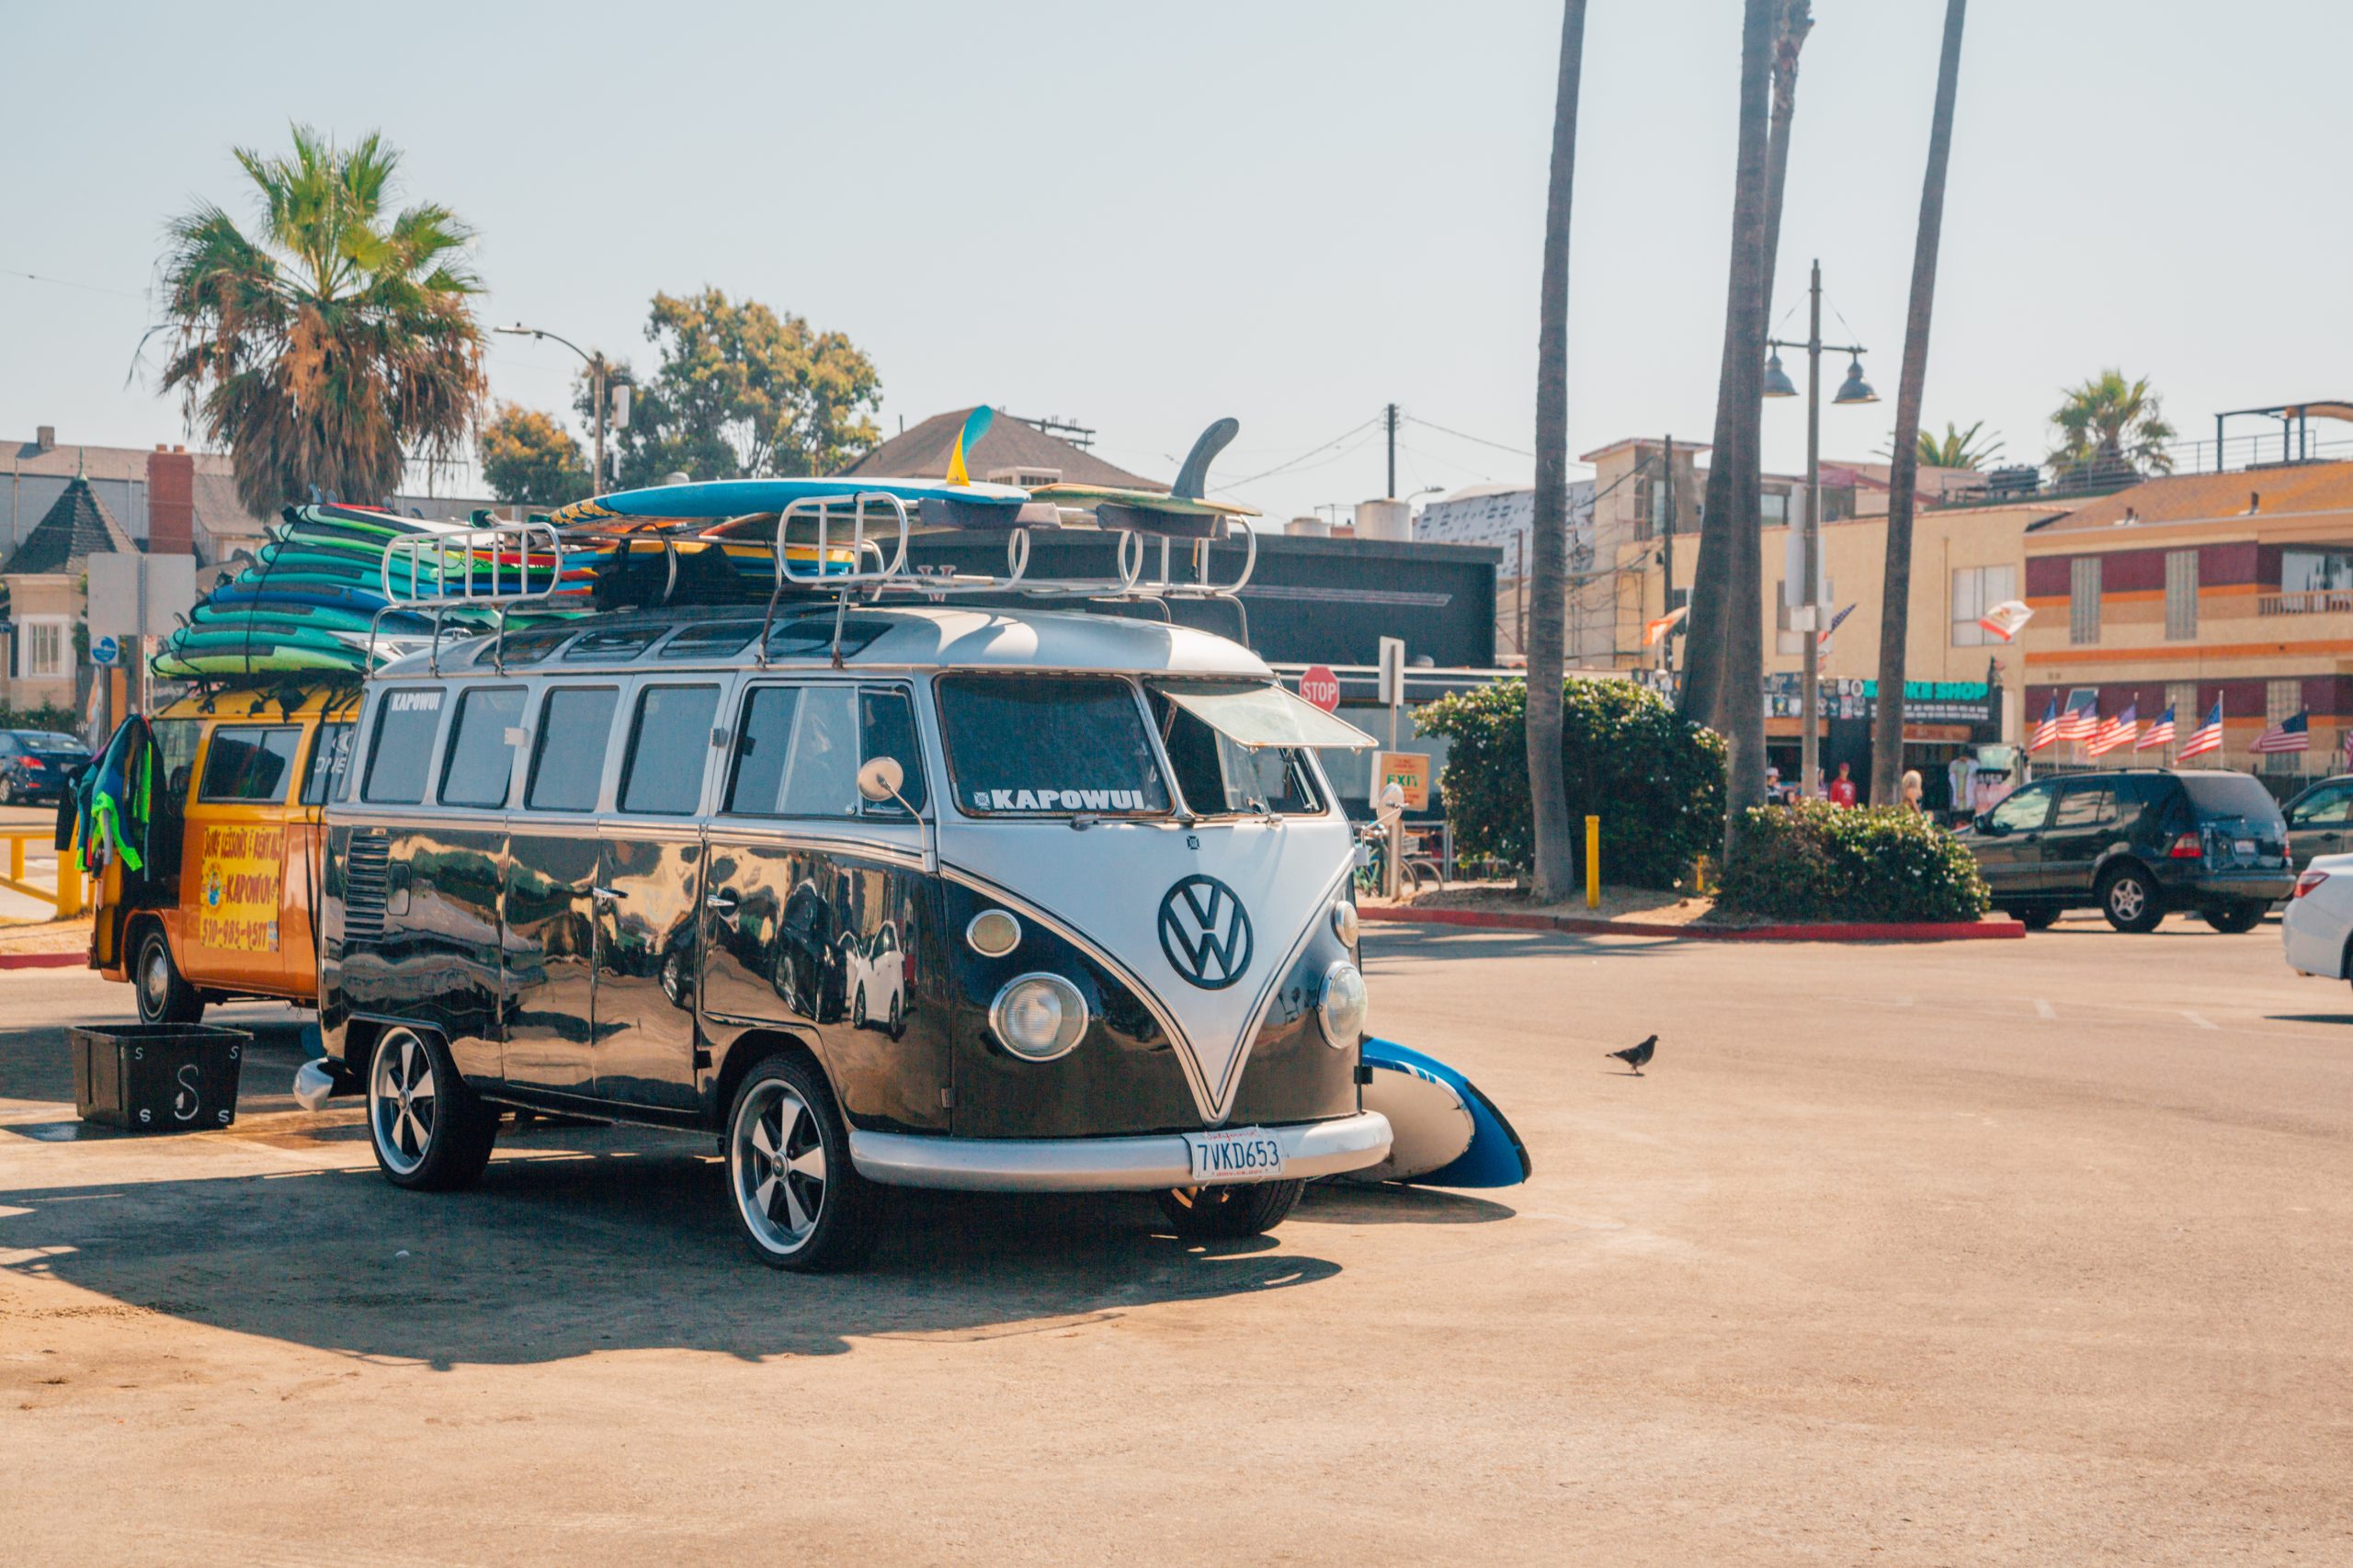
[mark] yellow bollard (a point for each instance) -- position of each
(1592, 862)
(15, 860)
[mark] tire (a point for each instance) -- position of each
(857, 1010)
(2130, 901)
(164, 995)
(1226, 1213)
(429, 1131)
(7, 790)
(2231, 919)
(802, 1204)
(898, 1015)
(2034, 919)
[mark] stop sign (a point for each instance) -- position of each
(1321, 687)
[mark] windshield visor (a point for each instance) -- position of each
(1049, 745)
(1250, 714)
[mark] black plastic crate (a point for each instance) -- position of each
(158, 1077)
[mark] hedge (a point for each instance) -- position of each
(49, 716)
(1816, 861)
(1655, 781)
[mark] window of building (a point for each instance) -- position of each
(44, 649)
(667, 747)
(2283, 699)
(1975, 590)
(569, 763)
(482, 757)
(400, 753)
(2315, 571)
(250, 762)
(2181, 696)
(2181, 595)
(2083, 599)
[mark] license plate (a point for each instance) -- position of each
(2243, 847)
(1241, 1154)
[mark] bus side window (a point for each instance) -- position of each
(575, 723)
(668, 743)
(250, 762)
(887, 724)
(330, 751)
(400, 752)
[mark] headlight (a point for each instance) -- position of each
(1343, 1007)
(1039, 1017)
(993, 933)
(1344, 921)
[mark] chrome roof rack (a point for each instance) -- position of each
(470, 568)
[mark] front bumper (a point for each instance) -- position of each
(1100, 1165)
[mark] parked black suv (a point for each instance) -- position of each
(2136, 845)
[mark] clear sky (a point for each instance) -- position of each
(1142, 218)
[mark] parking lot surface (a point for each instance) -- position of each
(1991, 1252)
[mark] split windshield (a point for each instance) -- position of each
(1056, 745)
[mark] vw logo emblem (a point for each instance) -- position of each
(1205, 932)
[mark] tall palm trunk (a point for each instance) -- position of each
(1705, 629)
(1555, 872)
(1903, 470)
(1742, 696)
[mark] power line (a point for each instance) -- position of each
(69, 283)
(1294, 462)
(1464, 436)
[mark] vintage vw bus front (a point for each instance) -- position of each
(1144, 881)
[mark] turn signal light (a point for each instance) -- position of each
(2308, 881)
(2184, 847)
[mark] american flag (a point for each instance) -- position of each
(2161, 732)
(2292, 733)
(1835, 622)
(2047, 731)
(2207, 737)
(2119, 731)
(2348, 750)
(2081, 721)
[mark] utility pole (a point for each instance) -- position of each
(1666, 556)
(1810, 683)
(1390, 414)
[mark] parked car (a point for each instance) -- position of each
(2320, 820)
(2136, 845)
(37, 765)
(2317, 931)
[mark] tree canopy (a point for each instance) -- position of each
(1970, 449)
(528, 459)
(742, 391)
(332, 340)
(2110, 428)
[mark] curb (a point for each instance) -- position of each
(1505, 920)
(44, 961)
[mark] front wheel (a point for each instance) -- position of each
(802, 1204)
(1229, 1212)
(2233, 918)
(431, 1134)
(2130, 901)
(164, 995)
(2035, 919)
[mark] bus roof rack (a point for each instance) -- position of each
(490, 567)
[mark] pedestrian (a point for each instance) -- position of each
(1773, 786)
(1842, 788)
(1912, 790)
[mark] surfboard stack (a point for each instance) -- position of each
(309, 600)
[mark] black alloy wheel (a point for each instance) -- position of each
(430, 1132)
(1228, 1213)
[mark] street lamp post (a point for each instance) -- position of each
(1854, 389)
(599, 377)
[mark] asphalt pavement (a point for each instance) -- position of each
(1990, 1252)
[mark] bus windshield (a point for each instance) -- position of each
(1051, 745)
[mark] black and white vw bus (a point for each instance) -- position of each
(914, 895)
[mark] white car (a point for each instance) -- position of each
(2318, 928)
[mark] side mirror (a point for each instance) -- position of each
(1983, 823)
(879, 778)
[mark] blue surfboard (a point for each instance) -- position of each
(1445, 1131)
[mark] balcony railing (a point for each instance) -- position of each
(2308, 601)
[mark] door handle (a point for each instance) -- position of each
(608, 895)
(719, 903)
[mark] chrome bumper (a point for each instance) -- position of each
(1100, 1165)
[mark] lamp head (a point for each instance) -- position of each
(1854, 389)
(1777, 380)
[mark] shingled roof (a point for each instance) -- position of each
(75, 527)
(922, 451)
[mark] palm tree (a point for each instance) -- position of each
(1904, 469)
(1711, 585)
(1553, 871)
(333, 342)
(1956, 448)
(2109, 428)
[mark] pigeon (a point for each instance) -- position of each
(1635, 1055)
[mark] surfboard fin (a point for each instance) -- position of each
(1206, 446)
(976, 425)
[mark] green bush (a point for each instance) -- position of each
(1655, 781)
(1817, 861)
(48, 716)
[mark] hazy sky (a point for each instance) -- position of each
(1143, 217)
